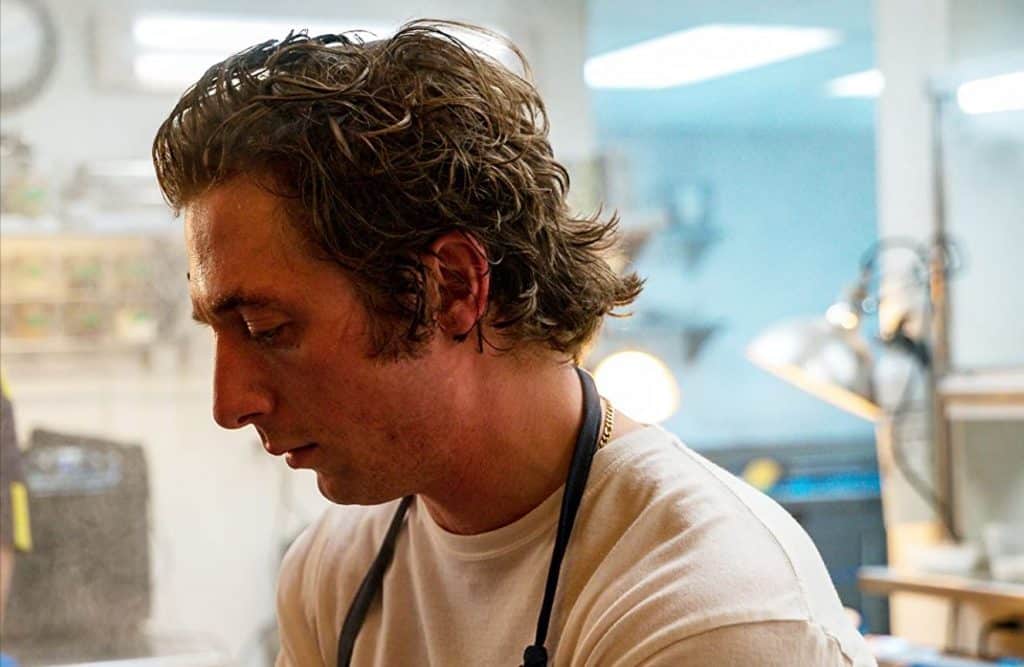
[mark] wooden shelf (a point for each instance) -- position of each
(72, 345)
(983, 395)
(885, 581)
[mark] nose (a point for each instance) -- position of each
(240, 395)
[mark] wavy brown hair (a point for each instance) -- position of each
(382, 146)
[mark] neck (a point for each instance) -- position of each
(511, 448)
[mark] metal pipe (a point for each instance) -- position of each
(939, 319)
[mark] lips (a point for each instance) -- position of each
(278, 450)
(300, 457)
(296, 455)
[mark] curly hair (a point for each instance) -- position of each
(379, 147)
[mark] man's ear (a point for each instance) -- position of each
(458, 266)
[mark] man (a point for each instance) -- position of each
(378, 237)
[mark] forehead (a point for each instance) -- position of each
(236, 213)
(239, 239)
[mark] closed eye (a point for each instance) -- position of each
(272, 337)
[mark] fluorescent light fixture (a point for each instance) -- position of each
(703, 53)
(224, 34)
(172, 71)
(173, 50)
(869, 83)
(993, 94)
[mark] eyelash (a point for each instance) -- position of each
(267, 337)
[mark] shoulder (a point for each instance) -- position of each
(766, 643)
(663, 494)
(687, 548)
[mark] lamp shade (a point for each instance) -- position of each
(821, 358)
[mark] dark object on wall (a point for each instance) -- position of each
(88, 576)
(690, 228)
(28, 28)
(833, 491)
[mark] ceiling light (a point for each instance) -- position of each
(702, 53)
(226, 35)
(173, 50)
(171, 71)
(998, 93)
(868, 83)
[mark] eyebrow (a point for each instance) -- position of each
(232, 302)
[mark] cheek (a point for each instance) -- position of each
(338, 391)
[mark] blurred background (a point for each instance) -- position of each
(825, 196)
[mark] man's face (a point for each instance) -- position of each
(291, 354)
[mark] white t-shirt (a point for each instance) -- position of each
(672, 561)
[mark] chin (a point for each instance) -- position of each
(345, 492)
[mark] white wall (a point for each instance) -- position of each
(982, 165)
(795, 210)
(985, 212)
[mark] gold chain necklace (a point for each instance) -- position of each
(607, 424)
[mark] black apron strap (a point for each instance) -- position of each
(536, 655)
(368, 589)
